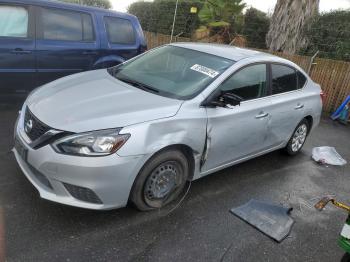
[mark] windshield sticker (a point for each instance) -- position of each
(205, 70)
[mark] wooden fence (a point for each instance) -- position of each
(332, 75)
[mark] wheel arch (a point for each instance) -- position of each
(310, 120)
(185, 149)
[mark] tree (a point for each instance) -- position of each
(255, 27)
(288, 22)
(221, 16)
(157, 16)
(97, 3)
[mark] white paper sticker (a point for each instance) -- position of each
(205, 70)
(346, 231)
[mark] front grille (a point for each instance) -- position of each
(83, 194)
(33, 127)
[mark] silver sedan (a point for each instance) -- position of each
(140, 131)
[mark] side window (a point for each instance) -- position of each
(88, 28)
(248, 83)
(13, 21)
(119, 31)
(66, 25)
(284, 79)
(301, 79)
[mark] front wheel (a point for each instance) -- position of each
(298, 138)
(160, 181)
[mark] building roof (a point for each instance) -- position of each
(227, 51)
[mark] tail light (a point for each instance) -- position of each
(323, 96)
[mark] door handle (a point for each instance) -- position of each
(20, 51)
(89, 52)
(261, 115)
(299, 106)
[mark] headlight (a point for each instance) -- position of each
(96, 143)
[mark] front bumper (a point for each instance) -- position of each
(87, 182)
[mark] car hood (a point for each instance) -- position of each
(96, 100)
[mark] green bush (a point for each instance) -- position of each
(158, 16)
(255, 27)
(329, 33)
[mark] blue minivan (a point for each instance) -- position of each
(41, 41)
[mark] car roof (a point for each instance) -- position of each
(226, 51)
(56, 3)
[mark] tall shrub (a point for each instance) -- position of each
(329, 34)
(158, 16)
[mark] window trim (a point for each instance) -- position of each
(107, 34)
(31, 22)
(40, 32)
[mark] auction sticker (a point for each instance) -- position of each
(205, 70)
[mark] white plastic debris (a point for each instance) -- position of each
(327, 155)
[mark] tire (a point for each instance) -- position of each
(160, 181)
(297, 141)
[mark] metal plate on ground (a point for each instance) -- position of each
(272, 220)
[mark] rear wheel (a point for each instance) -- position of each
(298, 138)
(160, 181)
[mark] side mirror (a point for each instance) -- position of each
(230, 99)
(223, 100)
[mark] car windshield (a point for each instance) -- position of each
(172, 71)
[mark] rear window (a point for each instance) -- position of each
(65, 25)
(119, 31)
(284, 79)
(13, 21)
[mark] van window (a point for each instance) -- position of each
(248, 83)
(284, 79)
(119, 31)
(13, 21)
(66, 25)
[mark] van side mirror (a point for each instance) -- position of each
(224, 100)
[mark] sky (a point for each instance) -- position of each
(263, 5)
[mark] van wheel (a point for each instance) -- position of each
(160, 181)
(298, 138)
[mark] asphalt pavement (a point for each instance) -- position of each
(200, 229)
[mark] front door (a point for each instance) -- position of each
(66, 43)
(238, 132)
(17, 50)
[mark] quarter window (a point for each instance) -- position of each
(66, 25)
(284, 79)
(301, 79)
(13, 21)
(248, 83)
(119, 31)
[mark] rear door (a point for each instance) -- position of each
(287, 102)
(66, 43)
(17, 49)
